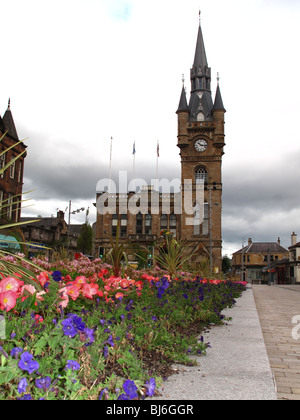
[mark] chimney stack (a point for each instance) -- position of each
(294, 238)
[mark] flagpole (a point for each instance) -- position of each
(110, 166)
(133, 169)
(157, 153)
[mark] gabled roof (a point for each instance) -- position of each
(263, 248)
(295, 246)
(9, 123)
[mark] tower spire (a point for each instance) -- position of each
(201, 101)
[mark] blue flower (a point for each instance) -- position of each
(16, 351)
(150, 385)
(43, 383)
(27, 363)
(22, 385)
(56, 276)
(72, 325)
(89, 334)
(69, 328)
(105, 352)
(110, 341)
(72, 365)
(26, 397)
(123, 397)
(130, 389)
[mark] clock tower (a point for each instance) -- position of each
(201, 140)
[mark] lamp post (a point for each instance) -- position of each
(242, 275)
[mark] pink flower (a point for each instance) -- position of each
(119, 295)
(90, 290)
(80, 281)
(73, 291)
(8, 300)
(10, 284)
(43, 278)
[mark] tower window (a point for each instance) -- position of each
(201, 174)
(200, 117)
(200, 84)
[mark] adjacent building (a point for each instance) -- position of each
(260, 261)
(11, 180)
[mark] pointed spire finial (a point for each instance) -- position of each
(199, 17)
(8, 107)
(218, 78)
(183, 79)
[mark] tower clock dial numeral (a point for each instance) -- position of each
(201, 145)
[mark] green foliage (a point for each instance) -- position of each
(85, 239)
(117, 253)
(172, 255)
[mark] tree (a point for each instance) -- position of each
(85, 239)
(226, 264)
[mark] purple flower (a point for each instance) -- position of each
(105, 352)
(27, 363)
(72, 365)
(77, 321)
(43, 383)
(110, 341)
(22, 385)
(150, 385)
(123, 397)
(130, 389)
(154, 318)
(16, 351)
(69, 328)
(56, 276)
(89, 334)
(104, 393)
(26, 397)
(72, 325)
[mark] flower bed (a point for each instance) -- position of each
(97, 336)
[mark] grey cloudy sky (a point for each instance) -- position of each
(81, 71)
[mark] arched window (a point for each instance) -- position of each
(201, 174)
(200, 117)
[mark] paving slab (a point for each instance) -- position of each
(277, 307)
(236, 366)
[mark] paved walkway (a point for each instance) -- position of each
(235, 368)
(277, 306)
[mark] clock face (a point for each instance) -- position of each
(201, 145)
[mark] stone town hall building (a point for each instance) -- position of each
(201, 141)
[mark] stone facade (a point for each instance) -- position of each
(11, 181)
(201, 140)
